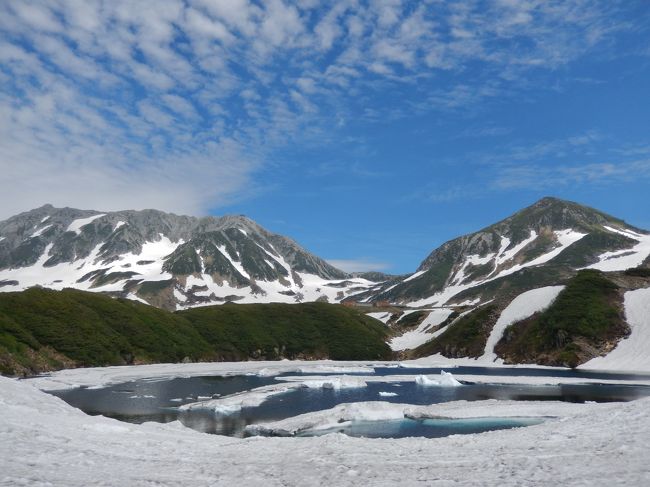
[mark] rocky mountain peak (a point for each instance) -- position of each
(540, 244)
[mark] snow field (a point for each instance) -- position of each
(68, 273)
(43, 441)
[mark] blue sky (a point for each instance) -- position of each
(369, 131)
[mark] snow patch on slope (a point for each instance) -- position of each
(633, 352)
(621, 260)
(40, 231)
(147, 265)
(76, 225)
(520, 308)
(237, 265)
(506, 255)
(419, 336)
(414, 276)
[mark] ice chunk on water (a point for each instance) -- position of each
(446, 379)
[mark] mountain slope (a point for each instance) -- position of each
(538, 246)
(167, 260)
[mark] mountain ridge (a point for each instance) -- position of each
(206, 260)
(179, 261)
(550, 233)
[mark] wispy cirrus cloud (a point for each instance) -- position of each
(535, 176)
(178, 105)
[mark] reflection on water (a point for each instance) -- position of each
(158, 400)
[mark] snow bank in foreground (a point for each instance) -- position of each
(43, 441)
(633, 352)
(445, 379)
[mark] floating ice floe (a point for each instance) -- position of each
(446, 379)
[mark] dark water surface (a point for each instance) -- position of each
(158, 399)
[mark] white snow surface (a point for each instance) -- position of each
(77, 224)
(415, 338)
(633, 352)
(67, 274)
(520, 308)
(620, 260)
(44, 441)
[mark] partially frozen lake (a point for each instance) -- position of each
(291, 394)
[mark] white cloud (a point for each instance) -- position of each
(176, 104)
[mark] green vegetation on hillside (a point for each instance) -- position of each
(42, 330)
(272, 331)
(91, 329)
(638, 272)
(584, 321)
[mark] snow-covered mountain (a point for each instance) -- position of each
(166, 260)
(541, 245)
